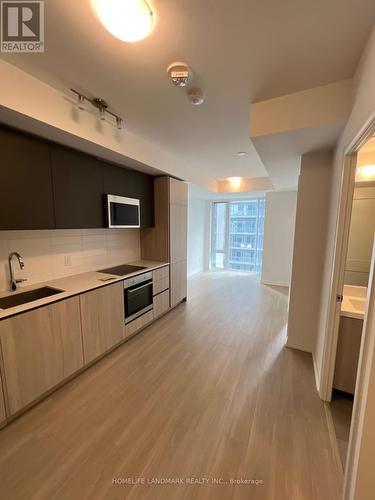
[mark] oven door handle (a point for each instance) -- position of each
(138, 288)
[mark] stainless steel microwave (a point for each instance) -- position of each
(123, 212)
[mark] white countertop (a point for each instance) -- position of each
(74, 285)
(354, 303)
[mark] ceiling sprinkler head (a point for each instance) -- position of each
(179, 73)
(195, 96)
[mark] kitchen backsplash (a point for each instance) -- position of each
(54, 254)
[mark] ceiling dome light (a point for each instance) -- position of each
(365, 173)
(128, 20)
(235, 182)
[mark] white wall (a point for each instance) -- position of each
(279, 226)
(53, 254)
(300, 110)
(198, 232)
(313, 202)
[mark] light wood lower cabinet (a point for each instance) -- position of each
(178, 282)
(138, 323)
(161, 304)
(347, 356)
(160, 286)
(43, 347)
(102, 315)
(161, 273)
(160, 280)
(40, 348)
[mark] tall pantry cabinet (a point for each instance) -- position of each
(167, 241)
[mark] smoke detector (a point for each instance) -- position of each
(179, 73)
(195, 96)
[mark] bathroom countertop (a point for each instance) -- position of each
(74, 285)
(354, 303)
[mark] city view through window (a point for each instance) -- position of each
(237, 235)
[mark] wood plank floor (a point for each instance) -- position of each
(209, 392)
(341, 408)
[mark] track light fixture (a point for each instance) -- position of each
(100, 104)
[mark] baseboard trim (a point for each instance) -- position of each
(274, 283)
(297, 347)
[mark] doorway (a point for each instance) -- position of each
(353, 258)
(356, 279)
(348, 184)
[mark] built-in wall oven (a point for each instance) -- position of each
(137, 296)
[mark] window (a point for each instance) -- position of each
(237, 235)
(219, 230)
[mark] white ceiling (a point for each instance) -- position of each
(281, 153)
(240, 52)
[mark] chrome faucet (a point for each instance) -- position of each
(13, 281)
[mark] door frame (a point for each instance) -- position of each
(361, 412)
(347, 185)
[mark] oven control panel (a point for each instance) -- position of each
(135, 280)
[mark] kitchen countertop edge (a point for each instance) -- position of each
(73, 285)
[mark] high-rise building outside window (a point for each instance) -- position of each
(237, 235)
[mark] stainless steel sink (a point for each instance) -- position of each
(25, 297)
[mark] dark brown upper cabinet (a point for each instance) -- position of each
(44, 185)
(26, 200)
(132, 184)
(77, 188)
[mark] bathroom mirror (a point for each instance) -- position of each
(361, 237)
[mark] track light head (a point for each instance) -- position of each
(81, 102)
(119, 122)
(102, 114)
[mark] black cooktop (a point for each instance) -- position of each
(122, 270)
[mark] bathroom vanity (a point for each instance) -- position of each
(350, 336)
